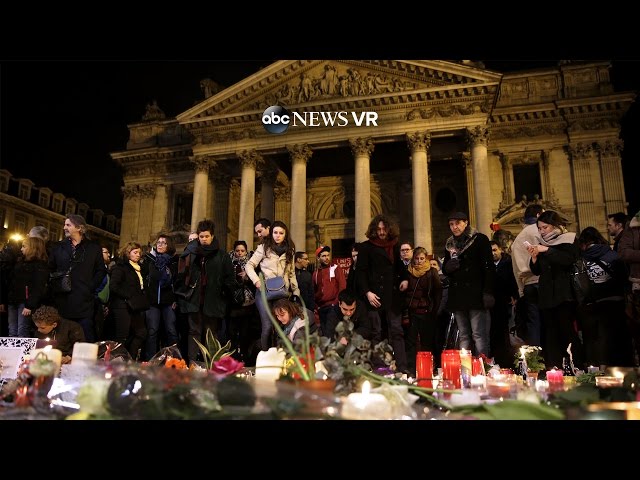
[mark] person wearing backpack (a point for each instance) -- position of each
(552, 260)
(606, 337)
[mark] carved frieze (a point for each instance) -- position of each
(361, 146)
(593, 124)
(419, 141)
(528, 131)
(446, 111)
(233, 135)
(334, 82)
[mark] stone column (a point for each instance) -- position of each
(581, 166)
(419, 143)
(478, 140)
(468, 171)
(299, 156)
(267, 181)
(130, 214)
(211, 194)
(507, 191)
(200, 189)
(248, 160)
(282, 204)
(147, 192)
(362, 149)
(611, 170)
(160, 209)
(220, 208)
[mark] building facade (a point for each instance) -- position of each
(447, 136)
(23, 205)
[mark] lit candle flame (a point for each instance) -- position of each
(47, 339)
(366, 388)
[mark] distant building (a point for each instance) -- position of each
(449, 136)
(23, 205)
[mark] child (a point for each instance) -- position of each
(65, 332)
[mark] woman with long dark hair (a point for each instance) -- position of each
(275, 256)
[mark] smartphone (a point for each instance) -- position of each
(526, 243)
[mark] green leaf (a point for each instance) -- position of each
(511, 410)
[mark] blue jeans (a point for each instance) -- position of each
(19, 325)
(153, 317)
(473, 326)
(265, 322)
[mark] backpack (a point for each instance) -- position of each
(580, 282)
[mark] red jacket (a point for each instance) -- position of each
(325, 288)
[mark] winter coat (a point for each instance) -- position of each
(361, 322)
(88, 271)
(472, 276)
(28, 283)
(216, 281)
(378, 274)
(124, 284)
(554, 268)
(606, 272)
(272, 265)
(325, 288)
(424, 293)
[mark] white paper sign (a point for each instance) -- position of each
(11, 357)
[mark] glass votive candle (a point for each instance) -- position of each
(608, 382)
(498, 389)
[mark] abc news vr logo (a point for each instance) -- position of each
(277, 119)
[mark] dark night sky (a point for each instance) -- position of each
(60, 120)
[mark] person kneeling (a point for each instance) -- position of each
(64, 332)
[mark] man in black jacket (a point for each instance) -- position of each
(349, 308)
(381, 275)
(84, 259)
(469, 265)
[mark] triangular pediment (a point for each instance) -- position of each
(329, 84)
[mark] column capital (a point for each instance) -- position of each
(580, 151)
(361, 146)
(419, 141)
(299, 152)
(465, 159)
(147, 190)
(610, 148)
(130, 191)
(282, 193)
(249, 158)
(202, 163)
(478, 135)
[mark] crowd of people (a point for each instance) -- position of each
(149, 298)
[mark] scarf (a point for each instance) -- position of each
(556, 237)
(419, 270)
(461, 243)
(136, 267)
(279, 249)
(208, 250)
(162, 261)
(289, 326)
(386, 244)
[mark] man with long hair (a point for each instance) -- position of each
(381, 277)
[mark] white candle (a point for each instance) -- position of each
(269, 364)
(366, 405)
(478, 381)
(53, 354)
(83, 351)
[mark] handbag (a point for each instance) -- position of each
(138, 302)
(275, 288)
(60, 282)
(186, 291)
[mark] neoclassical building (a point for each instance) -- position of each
(448, 136)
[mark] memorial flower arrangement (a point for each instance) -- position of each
(533, 359)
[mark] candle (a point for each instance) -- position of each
(366, 405)
(465, 365)
(269, 364)
(498, 389)
(555, 376)
(451, 366)
(424, 369)
(83, 352)
(43, 342)
(477, 366)
(53, 354)
(478, 381)
(608, 382)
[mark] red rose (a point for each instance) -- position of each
(227, 366)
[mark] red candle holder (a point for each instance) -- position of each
(476, 367)
(451, 367)
(424, 369)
